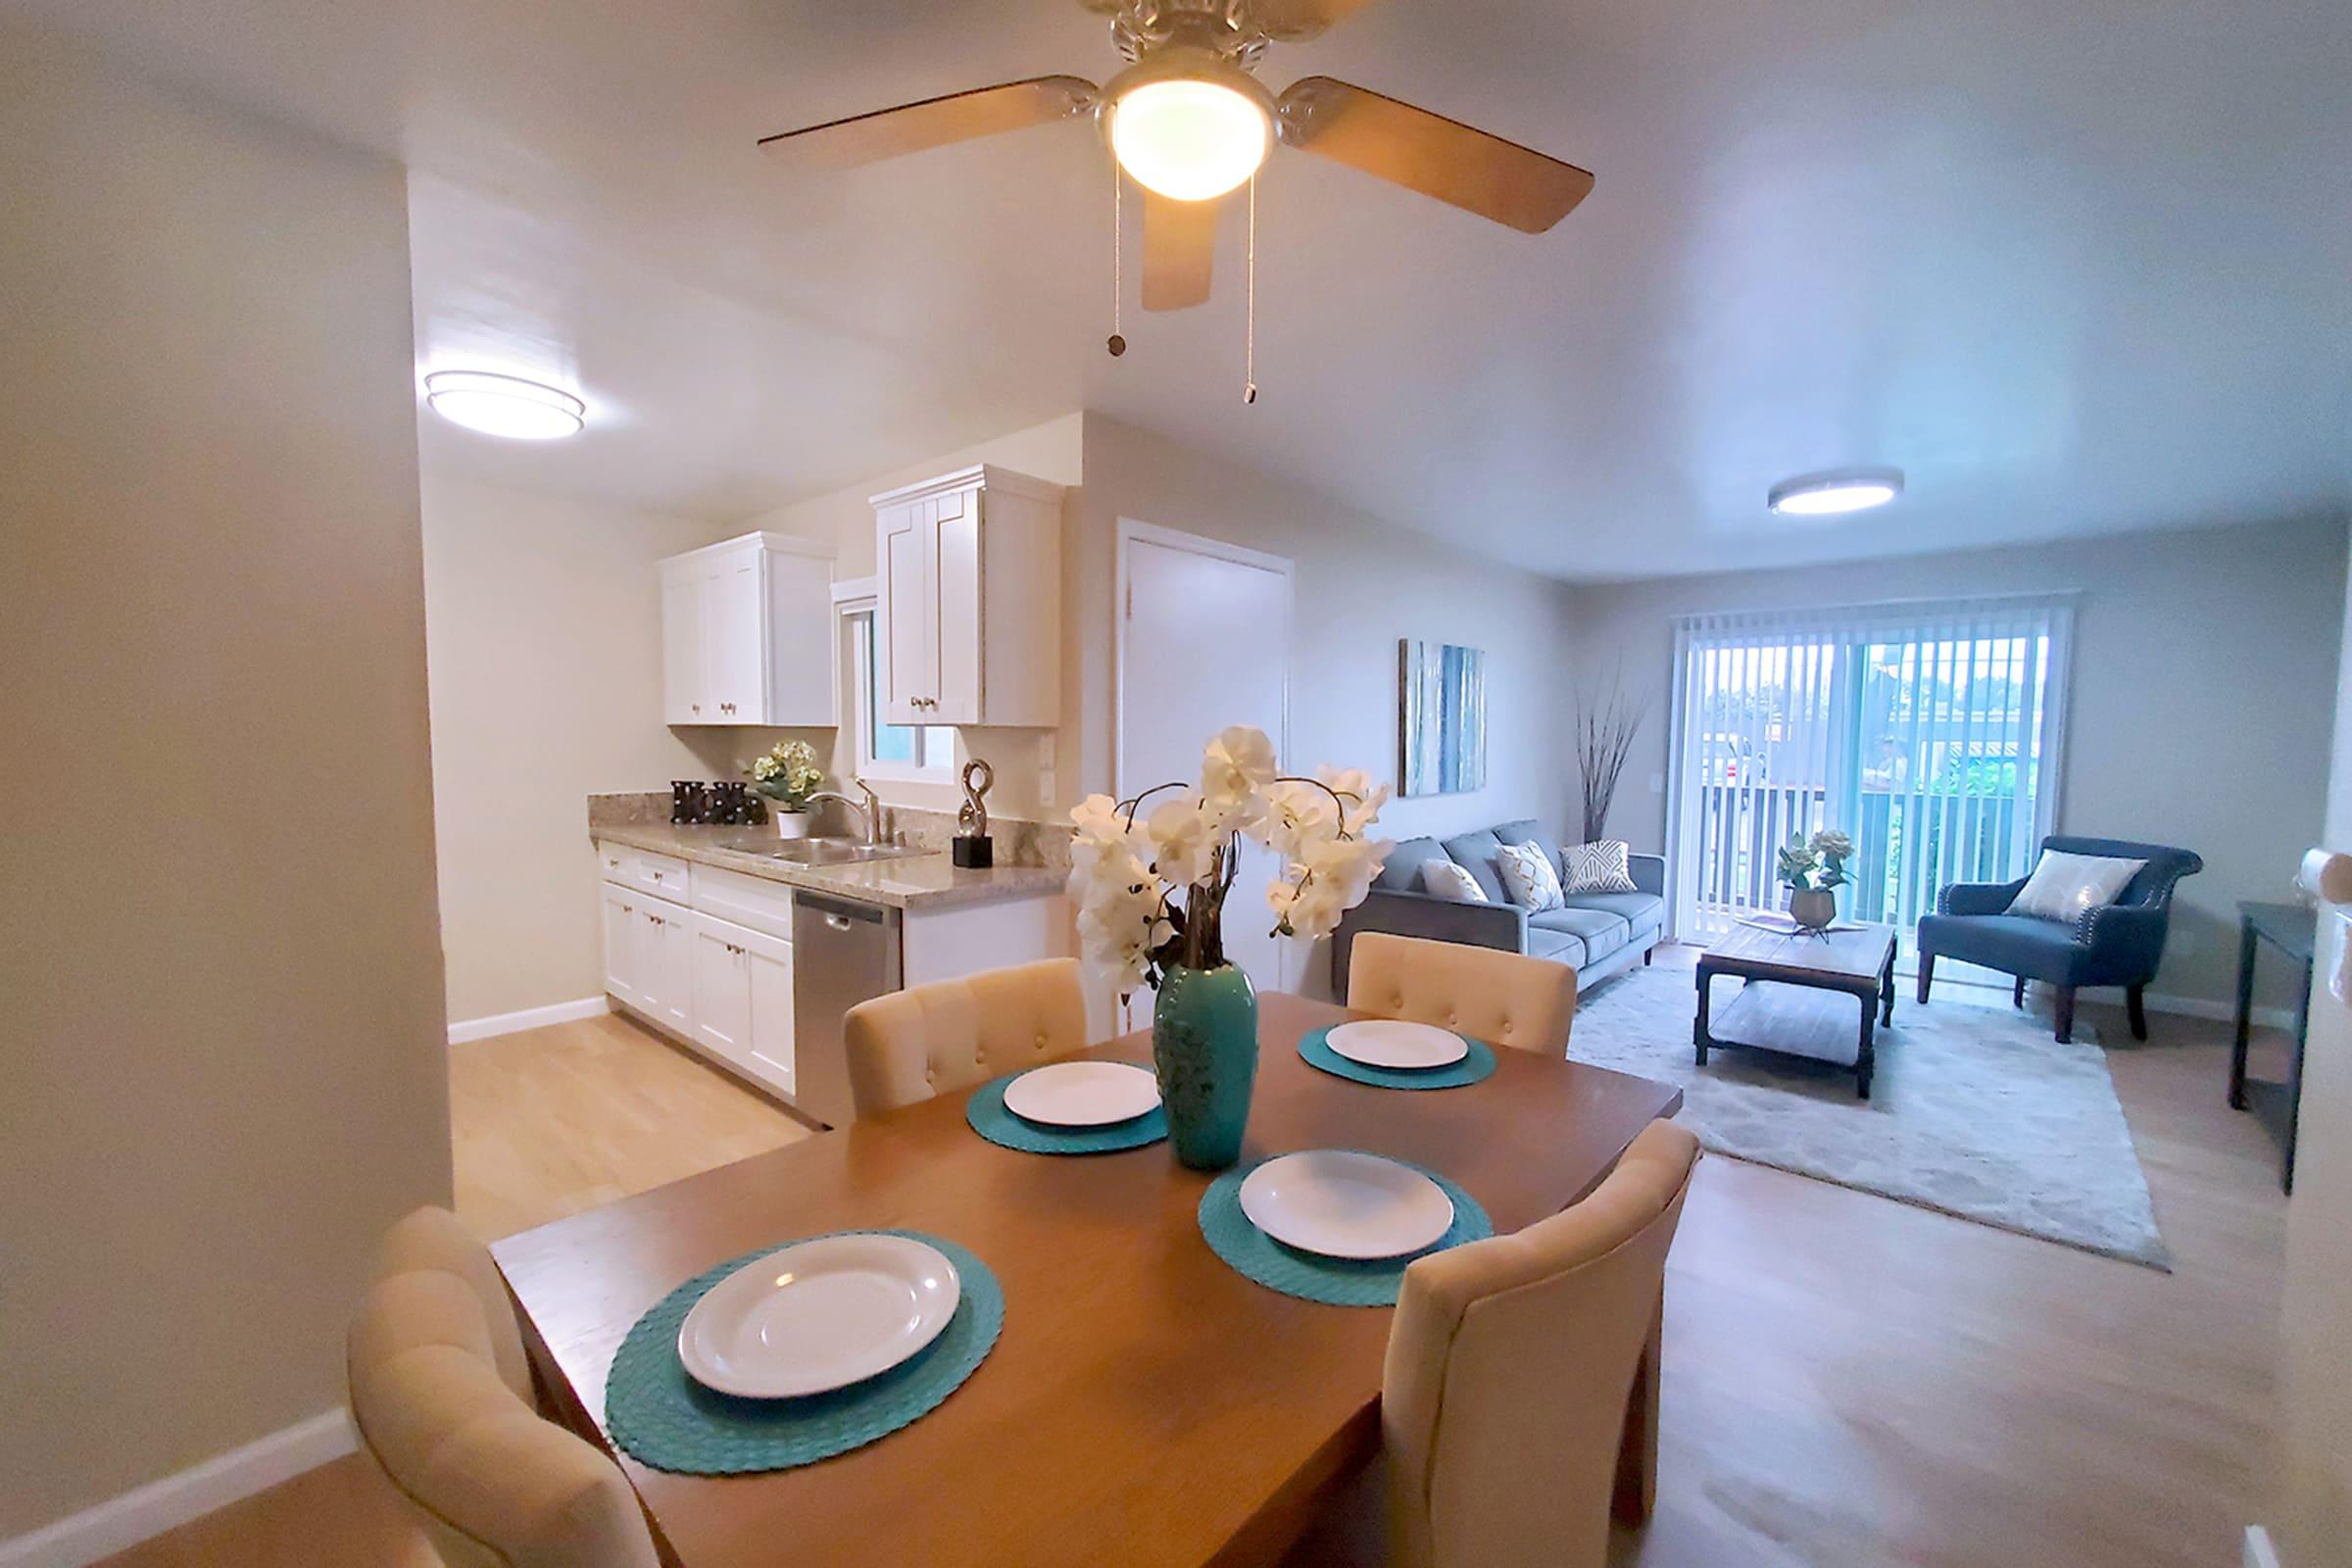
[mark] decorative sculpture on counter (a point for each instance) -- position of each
(972, 848)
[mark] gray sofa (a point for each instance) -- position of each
(1596, 934)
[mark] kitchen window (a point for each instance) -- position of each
(884, 751)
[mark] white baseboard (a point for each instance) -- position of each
(2260, 1552)
(121, 1523)
(2113, 996)
(507, 1023)
(2224, 1012)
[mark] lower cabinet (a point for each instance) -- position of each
(620, 944)
(665, 974)
(743, 999)
(722, 987)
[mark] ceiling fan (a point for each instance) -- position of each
(1189, 122)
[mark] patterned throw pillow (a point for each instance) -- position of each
(1599, 866)
(2064, 886)
(1528, 876)
(1451, 881)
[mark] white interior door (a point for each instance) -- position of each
(1205, 642)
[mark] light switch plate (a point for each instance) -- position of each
(1657, 783)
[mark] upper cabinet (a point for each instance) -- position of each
(968, 599)
(747, 633)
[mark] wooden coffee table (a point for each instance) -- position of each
(1790, 1004)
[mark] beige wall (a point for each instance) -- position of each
(2317, 1312)
(543, 626)
(224, 1068)
(2189, 721)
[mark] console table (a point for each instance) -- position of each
(2291, 929)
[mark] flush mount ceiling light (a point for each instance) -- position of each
(1824, 495)
(504, 405)
(1190, 138)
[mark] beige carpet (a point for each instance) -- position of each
(1974, 1111)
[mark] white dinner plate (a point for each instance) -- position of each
(1340, 1203)
(1082, 1094)
(1393, 1043)
(818, 1315)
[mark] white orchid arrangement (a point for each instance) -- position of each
(1151, 887)
(787, 774)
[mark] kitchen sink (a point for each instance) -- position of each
(832, 852)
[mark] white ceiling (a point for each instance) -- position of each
(2076, 269)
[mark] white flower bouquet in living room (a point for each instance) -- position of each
(1151, 889)
(1813, 871)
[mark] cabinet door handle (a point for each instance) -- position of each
(698, 708)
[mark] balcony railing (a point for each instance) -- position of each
(1907, 846)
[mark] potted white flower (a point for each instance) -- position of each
(787, 776)
(1813, 872)
(1150, 890)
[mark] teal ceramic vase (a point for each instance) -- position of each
(1205, 1048)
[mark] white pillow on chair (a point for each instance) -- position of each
(1528, 876)
(1451, 881)
(2064, 886)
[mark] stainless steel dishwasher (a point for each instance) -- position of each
(843, 952)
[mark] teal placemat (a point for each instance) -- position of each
(1335, 1281)
(1478, 1065)
(986, 1112)
(666, 1419)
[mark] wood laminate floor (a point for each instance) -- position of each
(1848, 1380)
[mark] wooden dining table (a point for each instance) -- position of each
(1145, 1405)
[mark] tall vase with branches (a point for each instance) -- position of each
(1604, 738)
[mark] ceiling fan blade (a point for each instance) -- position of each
(935, 122)
(1290, 20)
(1438, 156)
(1180, 243)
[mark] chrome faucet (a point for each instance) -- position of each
(869, 811)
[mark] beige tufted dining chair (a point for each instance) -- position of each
(935, 1039)
(493, 1484)
(1519, 1400)
(1490, 995)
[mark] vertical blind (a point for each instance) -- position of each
(1929, 732)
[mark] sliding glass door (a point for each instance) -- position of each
(1930, 733)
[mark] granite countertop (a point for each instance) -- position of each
(928, 881)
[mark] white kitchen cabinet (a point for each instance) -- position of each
(743, 1000)
(722, 990)
(664, 966)
(747, 633)
(722, 987)
(968, 595)
(621, 945)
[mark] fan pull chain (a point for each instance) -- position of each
(1250, 317)
(1119, 288)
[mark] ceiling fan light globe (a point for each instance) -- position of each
(1190, 140)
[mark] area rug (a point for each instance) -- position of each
(1974, 1111)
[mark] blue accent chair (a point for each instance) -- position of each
(2118, 944)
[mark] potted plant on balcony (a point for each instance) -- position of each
(1150, 890)
(1814, 869)
(787, 776)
